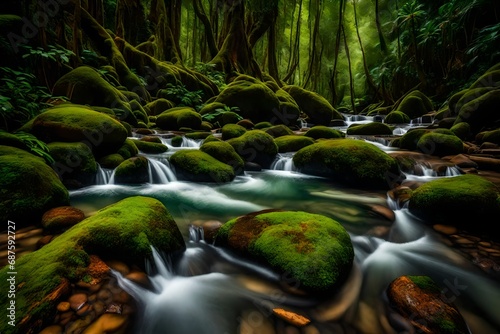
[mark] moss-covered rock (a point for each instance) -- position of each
(29, 187)
(279, 130)
(292, 143)
(481, 112)
(74, 163)
(84, 85)
(76, 123)
(314, 250)
(211, 138)
(198, 135)
(491, 79)
(232, 131)
(440, 144)
(467, 200)
(158, 106)
(253, 98)
(111, 161)
(150, 147)
(349, 161)
(246, 123)
(397, 117)
(125, 230)
(323, 132)
(198, 166)
(289, 109)
(179, 117)
(256, 146)
(461, 130)
(420, 300)
(372, 128)
(225, 153)
(415, 104)
(489, 136)
(318, 110)
(410, 139)
(132, 171)
(128, 149)
(61, 218)
(263, 125)
(9, 139)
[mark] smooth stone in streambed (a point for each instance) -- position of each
(139, 277)
(445, 229)
(77, 300)
(106, 324)
(60, 218)
(210, 228)
(63, 306)
(291, 317)
(119, 266)
(54, 329)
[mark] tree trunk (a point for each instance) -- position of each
(383, 45)
(271, 51)
(209, 35)
(167, 47)
(333, 74)
(351, 81)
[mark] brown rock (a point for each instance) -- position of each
(291, 317)
(210, 228)
(140, 278)
(97, 269)
(63, 306)
(60, 218)
(121, 267)
(77, 300)
(106, 323)
(463, 161)
(44, 241)
(54, 329)
(420, 301)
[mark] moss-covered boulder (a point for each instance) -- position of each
(125, 230)
(229, 131)
(29, 187)
(84, 85)
(410, 139)
(158, 106)
(420, 300)
(132, 171)
(128, 149)
(467, 200)
(489, 136)
(318, 110)
(397, 117)
(198, 166)
(255, 146)
(150, 147)
(61, 218)
(323, 132)
(415, 104)
(440, 144)
(349, 161)
(74, 163)
(372, 128)
(263, 125)
(481, 112)
(289, 109)
(253, 98)
(179, 117)
(279, 130)
(225, 153)
(111, 161)
(77, 123)
(292, 143)
(313, 250)
(461, 130)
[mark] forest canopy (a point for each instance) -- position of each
(352, 52)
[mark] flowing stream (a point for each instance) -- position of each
(210, 290)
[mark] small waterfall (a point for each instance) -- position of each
(185, 144)
(160, 171)
(103, 175)
(453, 171)
(284, 163)
(196, 233)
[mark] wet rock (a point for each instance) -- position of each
(419, 300)
(106, 323)
(210, 228)
(76, 301)
(291, 317)
(54, 329)
(63, 306)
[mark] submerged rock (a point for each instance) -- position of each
(310, 251)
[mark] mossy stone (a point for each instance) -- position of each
(225, 153)
(461, 130)
(198, 135)
(397, 117)
(318, 110)
(492, 136)
(198, 166)
(123, 231)
(111, 161)
(255, 146)
(466, 200)
(292, 143)
(279, 130)
(76, 123)
(150, 147)
(323, 132)
(128, 149)
(480, 112)
(156, 107)
(74, 163)
(314, 250)
(415, 104)
(410, 139)
(29, 187)
(263, 125)
(232, 131)
(134, 170)
(372, 128)
(349, 161)
(179, 117)
(439, 144)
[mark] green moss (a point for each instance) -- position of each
(461, 130)
(110, 233)
(179, 117)
(321, 131)
(415, 104)
(132, 171)
(198, 135)
(225, 153)
(29, 187)
(397, 117)
(490, 136)
(373, 128)
(292, 143)
(232, 131)
(349, 161)
(262, 125)
(158, 106)
(466, 200)
(210, 139)
(314, 250)
(177, 141)
(128, 149)
(279, 130)
(480, 112)
(198, 166)
(255, 146)
(74, 162)
(425, 283)
(149, 147)
(439, 144)
(410, 139)
(111, 161)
